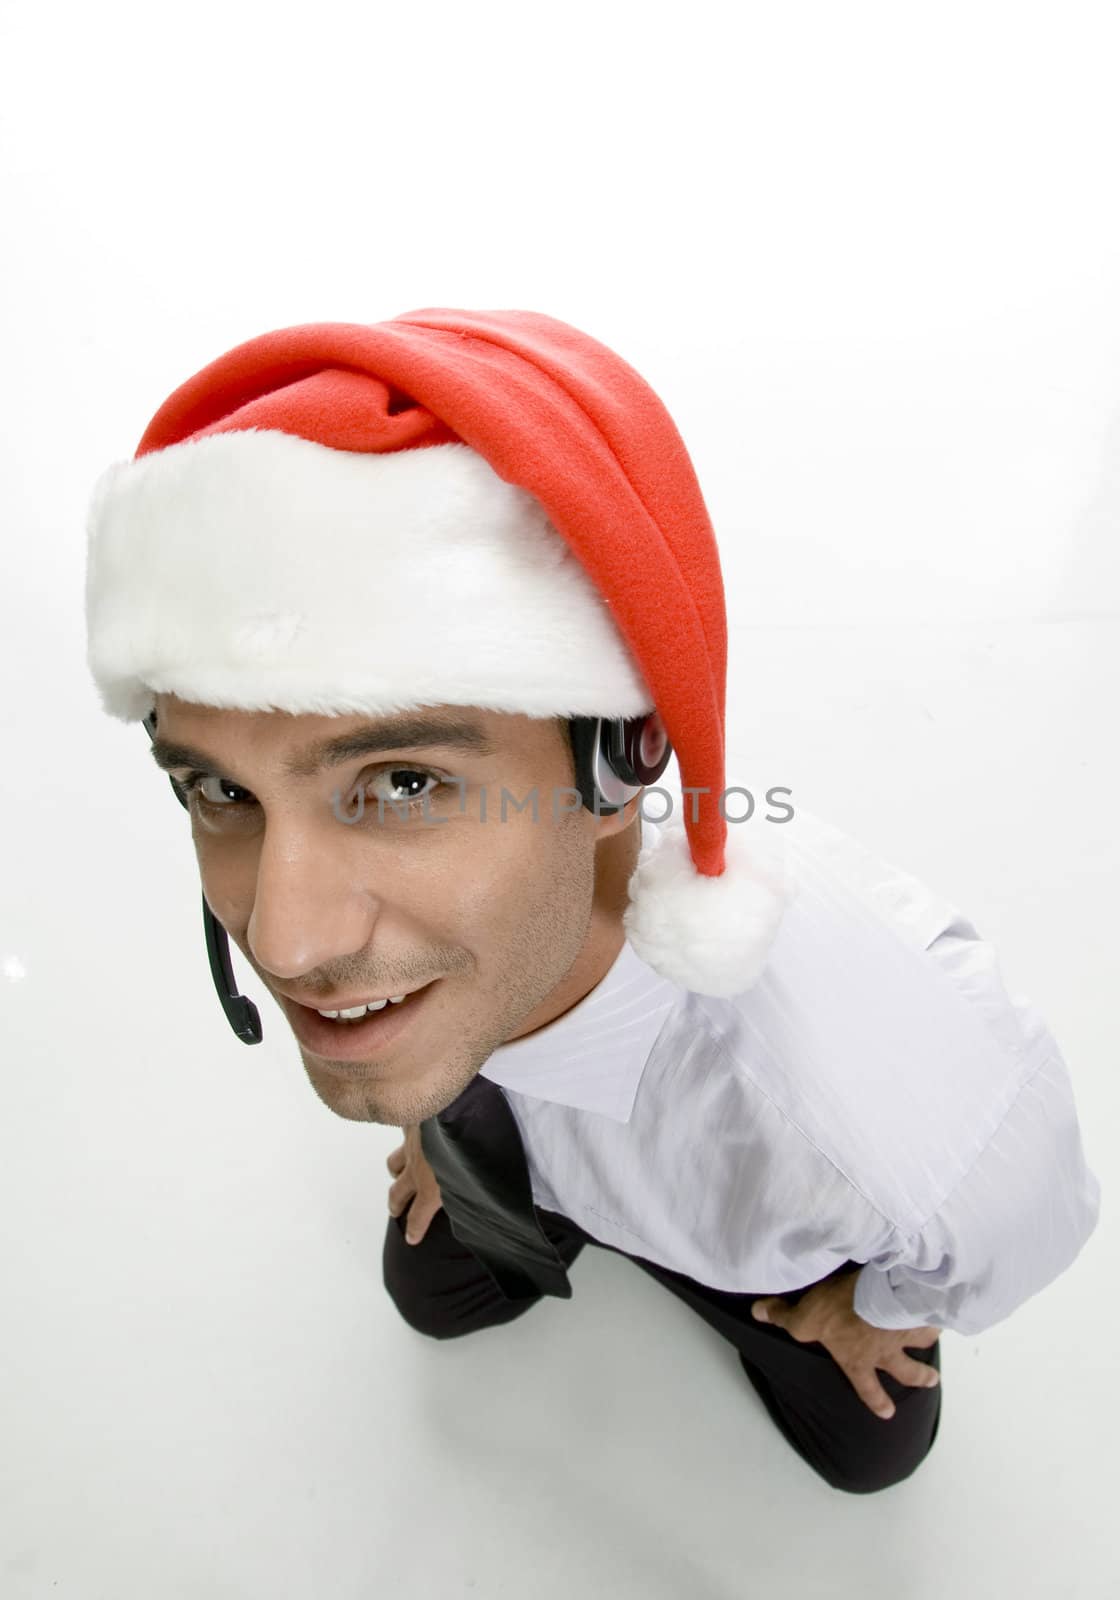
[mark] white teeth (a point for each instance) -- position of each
(359, 1011)
(355, 1011)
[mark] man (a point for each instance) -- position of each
(416, 613)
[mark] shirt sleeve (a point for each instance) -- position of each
(1016, 1220)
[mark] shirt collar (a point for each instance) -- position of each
(592, 1057)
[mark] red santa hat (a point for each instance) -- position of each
(484, 508)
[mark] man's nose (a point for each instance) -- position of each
(307, 912)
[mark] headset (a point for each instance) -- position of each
(615, 759)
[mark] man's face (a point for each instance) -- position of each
(487, 918)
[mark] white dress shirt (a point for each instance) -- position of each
(876, 1095)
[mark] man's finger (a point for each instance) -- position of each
(870, 1390)
(922, 1338)
(771, 1308)
(418, 1223)
(918, 1374)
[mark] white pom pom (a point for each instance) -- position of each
(710, 935)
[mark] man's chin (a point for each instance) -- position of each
(364, 1092)
(357, 1093)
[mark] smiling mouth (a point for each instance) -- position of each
(334, 1039)
(338, 1014)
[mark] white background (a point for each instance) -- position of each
(868, 256)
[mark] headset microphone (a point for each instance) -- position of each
(615, 759)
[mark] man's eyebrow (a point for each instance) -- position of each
(409, 733)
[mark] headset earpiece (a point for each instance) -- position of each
(637, 749)
(616, 758)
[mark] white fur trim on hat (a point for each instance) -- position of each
(710, 935)
(261, 571)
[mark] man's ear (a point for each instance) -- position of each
(619, 821)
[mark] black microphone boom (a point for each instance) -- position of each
(241, 1013)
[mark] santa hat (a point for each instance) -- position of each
(484, 508)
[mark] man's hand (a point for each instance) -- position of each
(416, 1186)
(825, 1313)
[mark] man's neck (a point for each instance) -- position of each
(592, 964)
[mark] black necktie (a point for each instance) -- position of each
(474, 1148)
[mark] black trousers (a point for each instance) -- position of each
(441, 1289)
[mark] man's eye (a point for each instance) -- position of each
(197, 781)
(396, 786)
(405, 786)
